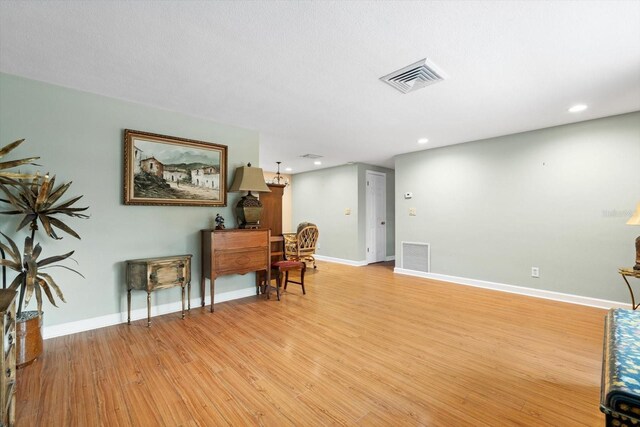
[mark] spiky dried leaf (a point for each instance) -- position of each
(5, 175)
(51, 260)
(9, 147)
(54, 285)
(64, 227)
(45, 287)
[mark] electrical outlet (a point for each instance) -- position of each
(347, 211)
(412, 212)
(535, 272)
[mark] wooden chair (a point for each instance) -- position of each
(280, 268)
(301, 246)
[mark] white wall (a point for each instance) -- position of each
(555, 198)
(79, 137)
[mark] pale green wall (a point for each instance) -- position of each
(555, 198)
(79, 137)
(322, 197)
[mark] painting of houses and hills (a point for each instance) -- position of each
(168, 171)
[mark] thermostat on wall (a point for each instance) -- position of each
(408, 195)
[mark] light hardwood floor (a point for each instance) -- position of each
(363, 347)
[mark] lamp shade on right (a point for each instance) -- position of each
(635, 218)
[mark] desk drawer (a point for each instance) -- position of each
(167, 274)
(240, 261)
(240, 239)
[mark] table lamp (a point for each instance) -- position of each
(249, 208)
(635, 220)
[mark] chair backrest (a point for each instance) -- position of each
(307, 239)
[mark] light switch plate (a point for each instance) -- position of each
(347, 211)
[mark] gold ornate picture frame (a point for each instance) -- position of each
(166, 170)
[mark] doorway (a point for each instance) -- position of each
(376, 202)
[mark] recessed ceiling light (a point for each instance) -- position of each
(288, 169)
(577, 108)
(317, 163)
(423, 140)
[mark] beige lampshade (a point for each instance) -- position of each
(247, 178)
(635, 218)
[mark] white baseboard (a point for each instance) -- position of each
(348, 261)
(140, 313)
(340, 260)
(538, 293)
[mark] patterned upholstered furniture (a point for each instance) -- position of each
(301, 246)
(620, 392)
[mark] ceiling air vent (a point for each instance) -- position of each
(415, 76)
(311, 156)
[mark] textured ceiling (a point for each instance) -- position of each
(305, 74)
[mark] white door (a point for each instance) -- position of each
(376, 216)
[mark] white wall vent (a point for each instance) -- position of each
(415, 76)
(416, 257)
(311, 156)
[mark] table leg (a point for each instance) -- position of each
(267, 286)
(148, 309)
(633, 300)
(189, 295)
(212, 290)
(182, 287)
(128, 306)
(202, 279)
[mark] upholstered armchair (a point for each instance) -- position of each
(301, 246)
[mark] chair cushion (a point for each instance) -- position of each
(287, 263)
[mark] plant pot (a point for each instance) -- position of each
(29, 338)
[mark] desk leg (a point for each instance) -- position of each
(212, 291)
(202, 279)
(182, 287)
(189, 295)
(128, 306)
(258, 283)
(148, 309)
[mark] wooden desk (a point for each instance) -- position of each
(233, 251)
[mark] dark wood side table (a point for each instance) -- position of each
(630, 272)
(150, 274)
(233, 251)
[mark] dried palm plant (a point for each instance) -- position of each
(36, 198)
(6, 176)
(30, 278)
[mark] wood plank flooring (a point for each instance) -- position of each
(363, 347)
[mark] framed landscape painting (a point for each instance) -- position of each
(165, 170)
